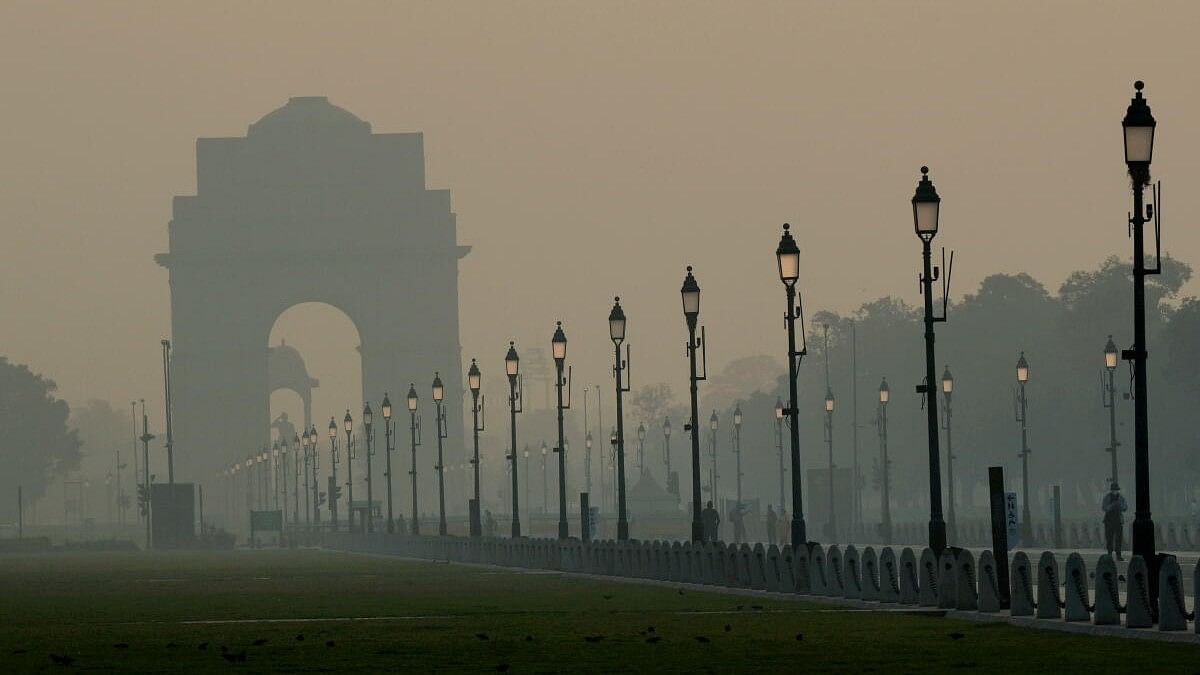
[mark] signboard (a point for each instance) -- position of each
(266, 520)
(1012, 519)
(172, 514)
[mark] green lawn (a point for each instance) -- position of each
(176, 611)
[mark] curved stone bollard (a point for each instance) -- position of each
(818, 576)
(909, 577)
(947, 580)
(674, 562)
(927, 584)
(733, 564)
(852, 585)
(758, 567)
(787, 570)
(1075, 589)
(1107, 609)
(802, 568)
(1137, 595)
(708, 564)
(870, 575)
(965, 581)
(774, 569)
(1049, 604)
(833, 565)
(744, 563)
(1172, 608)
(889, 576)
(1021, 594)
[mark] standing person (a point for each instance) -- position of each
(737, 516)
(712, 522)
(1114, 507)
(772, 523)
(785, 530)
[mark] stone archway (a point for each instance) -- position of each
(309, 206)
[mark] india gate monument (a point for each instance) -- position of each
(308, 206)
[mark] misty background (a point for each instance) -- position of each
(595, 150)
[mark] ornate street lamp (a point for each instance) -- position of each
(737, 448)
(414, 432)
(831, 526)
(558, 345)
(674, 489)
(690, 293)
(779, 448)
(477, 424)
(333, 464)
(713, 424)
(947, 393)
(439, 393)
(926, 206)
(348, 423)
(787, 255)
(512, 365)
(305, 440)
(885, 527)
(313, 440)
(1139, 126)
(387, 441)
(1110, 402)
(1026, 521)
(368, 418)
(616, 332)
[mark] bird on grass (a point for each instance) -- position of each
(502, 667)
(203, 646)
(701, 638)
(300, 637)
(19, 651)
(240, 657)
(755, 606)
(481, 636)
(260, 642)
(63, 660)
(653, 639)
(649, 629)
(799, 637)
(529, 638)
(329, 643)
(171, 645)
(681, 591)
(608, 597)
(957, 636)
(593, 638)
(121, 645)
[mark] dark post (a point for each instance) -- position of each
(20, 513)
(333, 463)
(166, 345)
(691, 311)
(1110, 402)
(947, 394)
(369, 439)
(348, 423)
(442, 433)
(511, 366)
(1058, 541)
(414, 431)
(885, 470)
(145, 438)
(559, 344)
(999, 532)
(387, 459)
(585, 526)
(473, 383)
(619, 367)
(788, 256)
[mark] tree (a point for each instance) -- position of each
(36, 443)
(651, 403)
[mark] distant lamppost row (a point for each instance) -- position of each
(368, 418)
(512, 364)
(558, 345)
(947, 393)
(439, 393)
(1110, 389)
(690, 292)
(1138, 127)
(473, 383)
(333, 464)
(387, 460)
(737, 448)
(1022, 378)
(787, 255)
(348, 423)
(414, 432)
(926, 205)
(885, 527)
(779, 448)
(616, 332)
(831, 526)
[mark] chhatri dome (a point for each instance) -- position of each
(307, 115)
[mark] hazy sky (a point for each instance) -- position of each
(591, 149)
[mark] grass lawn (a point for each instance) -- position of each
(175, 612)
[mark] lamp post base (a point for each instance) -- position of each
(799, 532)
(937, 536)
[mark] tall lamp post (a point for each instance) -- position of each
(690, 292)
(667, 453)
(947, 392)
(713, 424)
(558, 345)
(414, 430)
(333, 464)
(587, 463)
(641, 435)
(831, 526)
(787, 255)
(439, 392)
(368, 418)
(1110, 389)
(473, 383)
(737, 448)
(926, 204)
(1138, 127)
(314, 440)
(512, 364)
(297, 449)
(307, 494)
(885, 526)
(779, 447)
(545, 491)
(348, 424)
(616, 332)
(387, 459)
(1022, 378)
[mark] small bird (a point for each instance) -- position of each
(481, 636)
(329, 643)
(502, 668)
(593, 638)
(63, 660)
(529, 638)
(171, 645)
(203, 646)
(121, 645)
(740, 607)
(259, 642)
(653, 639)
(608, 597)
(224, 649)
(701, 638)
(799, 637)
(235, 658)
(650, 629)
(755, 606)
(300, 637)
(19, 651)
(681, 591)
(957, 636)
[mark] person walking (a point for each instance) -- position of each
(737, 516)
(1114, 507)
(772, 523)
(785, 530)
(712, 522)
